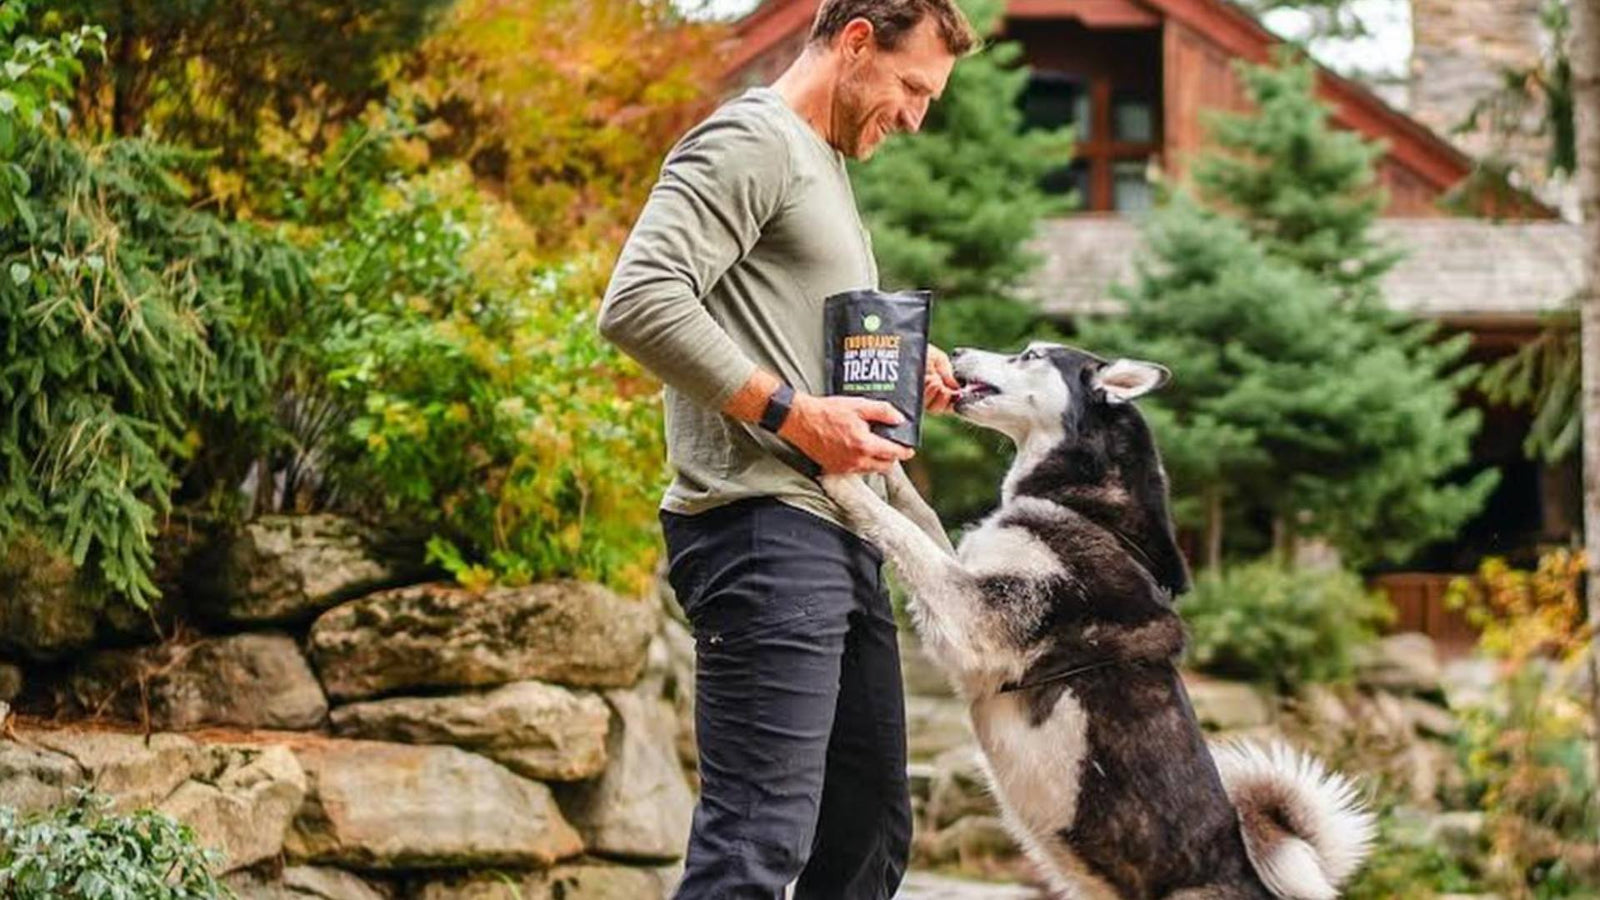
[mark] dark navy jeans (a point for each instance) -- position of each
(799, 711)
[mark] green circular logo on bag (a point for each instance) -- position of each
(871, 321)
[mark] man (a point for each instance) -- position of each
(799, 713)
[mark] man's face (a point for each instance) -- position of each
(884, 91)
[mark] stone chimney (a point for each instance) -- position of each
(1460, 48)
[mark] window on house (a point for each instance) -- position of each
(1116, 112)
(1130, 190)
(1132, 117)
(1069, 178)
(1055, 99)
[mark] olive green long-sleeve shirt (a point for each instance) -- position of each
(750, 226)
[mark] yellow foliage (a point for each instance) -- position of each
(509, 424)
(1531, 750)
(566, 107)
(1524, 615)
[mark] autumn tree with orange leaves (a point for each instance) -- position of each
(566, 107)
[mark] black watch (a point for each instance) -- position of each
(777, 408)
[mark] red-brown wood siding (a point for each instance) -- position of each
(1199, 76)
(1201, 40)
(1418, 601)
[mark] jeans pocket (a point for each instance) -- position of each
(735, 619)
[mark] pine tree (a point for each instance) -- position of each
(952, 210)
(1305, 190)
(1299, 401)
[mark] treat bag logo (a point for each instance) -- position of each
(871, 321)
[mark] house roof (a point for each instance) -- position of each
(1410, 142)
(1454, 268)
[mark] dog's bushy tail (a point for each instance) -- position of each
(1304, 827)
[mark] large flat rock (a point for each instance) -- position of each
(640, 808)
(579, 881)
(1404, 663)
(134, 771)
(442, 636)
(249, 680)
(381, 806)
(283, 568)
(243, 804)
(540, 730)
(239, 798)
(1227, 705)
(303, 883)
(34, 778)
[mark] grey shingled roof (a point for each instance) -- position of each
(1454, 267)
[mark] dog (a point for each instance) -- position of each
(1055, 622)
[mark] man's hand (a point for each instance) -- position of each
(939, 387)
(835, 433)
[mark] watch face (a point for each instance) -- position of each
(777, 408)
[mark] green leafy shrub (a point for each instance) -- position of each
(122, 322)
(1405, 865)
(1265, 622)
(82, 851)
(486, 408)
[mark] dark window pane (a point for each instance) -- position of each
(1052, 100)
(1069, 178)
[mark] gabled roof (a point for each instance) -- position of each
(1411, 143)
(1454, 268)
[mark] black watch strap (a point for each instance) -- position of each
(777, 408)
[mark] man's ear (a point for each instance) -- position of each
(857, 35)
(1125, 379)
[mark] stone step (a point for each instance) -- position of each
(928, 886)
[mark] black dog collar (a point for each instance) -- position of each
(1012, 686)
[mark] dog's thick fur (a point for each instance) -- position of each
(1055, 621)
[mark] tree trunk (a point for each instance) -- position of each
(1586, 112)
(125, 75)
(1214, 529)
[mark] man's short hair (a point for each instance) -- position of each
(893, 19)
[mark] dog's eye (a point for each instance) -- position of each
(1029, 354)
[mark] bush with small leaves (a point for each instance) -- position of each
(1286, 626)
(82, 851)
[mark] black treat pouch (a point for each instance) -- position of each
(877, 346)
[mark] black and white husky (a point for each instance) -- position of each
(1055, 621)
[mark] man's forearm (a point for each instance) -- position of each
(750, 401)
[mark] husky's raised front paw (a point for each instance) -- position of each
(852, 495)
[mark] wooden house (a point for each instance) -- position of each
(1134, 77)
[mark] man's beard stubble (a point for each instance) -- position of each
(851, 121)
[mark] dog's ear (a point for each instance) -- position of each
(1125, 379)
